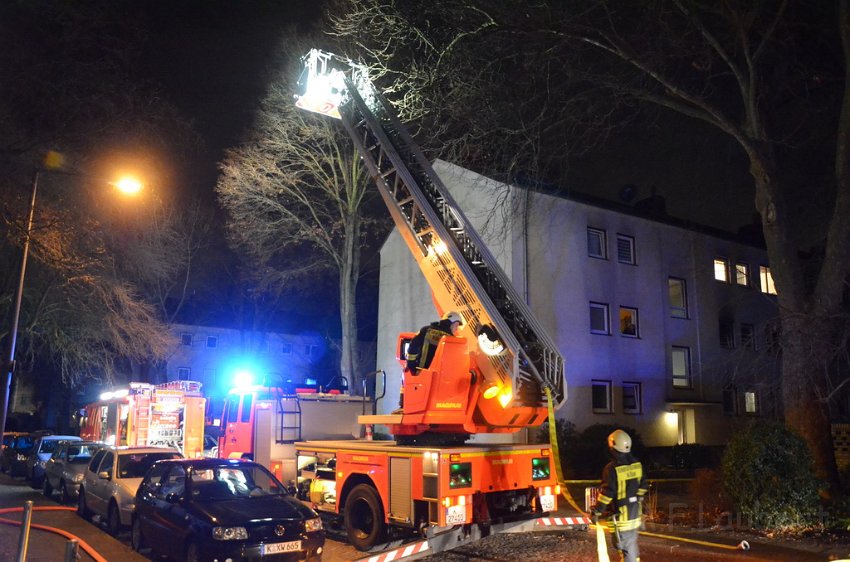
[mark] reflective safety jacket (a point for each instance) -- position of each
(423, 346)
(622, 491)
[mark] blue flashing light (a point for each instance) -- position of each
(243, 378)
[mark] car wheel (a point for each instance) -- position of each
(64, 496)
(193, 553)
(47, 489)
(82, 508)
(364, 517)
(137, 539)
(113, 519)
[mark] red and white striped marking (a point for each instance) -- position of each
(562, 521)
(399, 553)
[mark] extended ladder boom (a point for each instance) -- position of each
(513, 350)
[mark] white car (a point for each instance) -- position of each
(110, 482)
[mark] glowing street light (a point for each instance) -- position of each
(126, 185)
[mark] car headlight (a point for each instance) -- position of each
(21, 457)
(313, 525)
(229, 533)
(77, 478)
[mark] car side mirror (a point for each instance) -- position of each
(172, 498)
(104, 475)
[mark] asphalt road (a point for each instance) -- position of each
(556, 546)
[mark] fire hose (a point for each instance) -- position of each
(602, 546)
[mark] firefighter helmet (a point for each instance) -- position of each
(453, 317)
(620, 441)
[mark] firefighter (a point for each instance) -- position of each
(423, 346)
(622, 492)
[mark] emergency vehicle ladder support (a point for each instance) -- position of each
(430, 220)
(289, 428)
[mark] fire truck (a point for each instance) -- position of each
(500, 374)
(169, 414)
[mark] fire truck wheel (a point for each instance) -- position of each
(364, 517)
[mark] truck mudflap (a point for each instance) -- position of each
(442, 539)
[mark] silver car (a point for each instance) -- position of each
(65, 468)
(42, 450)
(111, 479)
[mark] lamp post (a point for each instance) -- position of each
(126, 185)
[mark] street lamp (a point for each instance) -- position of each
(126, 185)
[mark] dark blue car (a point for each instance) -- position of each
(205, 509)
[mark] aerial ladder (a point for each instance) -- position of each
(494, 377)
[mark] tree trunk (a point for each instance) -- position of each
(805, 354)
(349, 274)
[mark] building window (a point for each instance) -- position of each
(681, 363)
(286, 349)
(727, 335)
(625, 249)
(599, 318)
(751, 405)
(629, 322)
(632, 398)
(601, 392)
(186, 339)
(183, 373)
(596, 243)
(310, 350)
(678, 297)
(730, 401)
(742, 274)
(748, 336)
(773, 337)
(766, 280)
(212, 341)
(721, 269)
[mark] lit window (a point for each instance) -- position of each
(596, 243)
(632, 398)
(625, 249)
(748, 336)
(286, 349)
(751, 405)
(721, 269)
(766, 280)
(601, 396)
(599, 318)
(212, 341)
(680, 360)
(742, 274)
(629, 322)
(727, 335)
(183, 373)
(678, 297)
(186, 339)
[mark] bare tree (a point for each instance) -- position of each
(296, 194)
(517, 78)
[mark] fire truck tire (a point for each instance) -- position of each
(364, 517)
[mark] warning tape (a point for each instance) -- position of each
(562, 521)
(398, 553)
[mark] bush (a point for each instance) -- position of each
(583, 455)
(767, 473)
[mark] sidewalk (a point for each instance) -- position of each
(46, 546)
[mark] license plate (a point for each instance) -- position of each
(278, 547)
(455, 515)
(547, 502)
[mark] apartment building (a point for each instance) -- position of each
(666, 328)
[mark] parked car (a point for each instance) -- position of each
(205, 509)
(65, 468)
(110, 481)
(15, 455)
(42, 449)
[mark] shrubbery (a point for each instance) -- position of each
(583, 455)
(767, 473)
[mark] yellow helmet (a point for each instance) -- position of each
(620, 441)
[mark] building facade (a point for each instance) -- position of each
(664, 328)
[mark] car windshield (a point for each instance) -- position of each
(80, 454)
(48, 445)
(23, 442)
(135, 465)
(232, 482)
